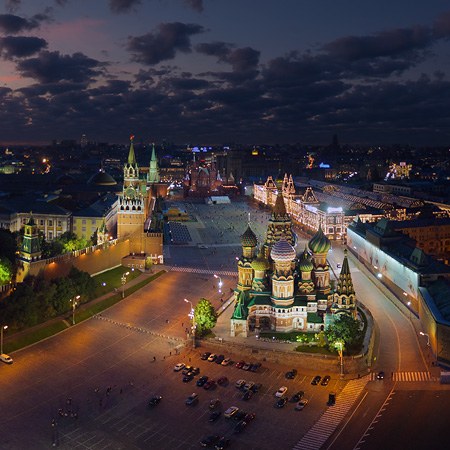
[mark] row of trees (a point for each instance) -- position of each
(37, 300)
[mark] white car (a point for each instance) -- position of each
(226, 362)
(281, 391)
(231, 411)
(178, 367)
(6, 358)
(212, 357)
(301, 404)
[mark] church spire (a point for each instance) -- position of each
(131, 155)
(153, 170)
(345, 283)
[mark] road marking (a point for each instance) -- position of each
(332, 417)
(406, 376)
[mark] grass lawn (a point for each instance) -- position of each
(290, 336)
(107, 281)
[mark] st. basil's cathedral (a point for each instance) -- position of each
(280, 290)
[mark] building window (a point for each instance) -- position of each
(59, 223)
(41, 222)
(50, 223)
(50, 235)
(93, 221)
(83, 221)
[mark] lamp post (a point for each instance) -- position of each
(124, 280)
(3, 327)
(340, 347)
(220, 282)
(191, 316)
(74, 305)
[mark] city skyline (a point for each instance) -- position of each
(199, 71)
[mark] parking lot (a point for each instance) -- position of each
(126, 421)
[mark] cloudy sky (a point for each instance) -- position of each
(215, 71)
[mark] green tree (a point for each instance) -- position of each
(6, 270)
(205, 317)
(345, 329)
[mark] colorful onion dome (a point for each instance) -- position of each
(248, 239)
(282, 251)
(260, 263)
(305, 264)
(319, 242)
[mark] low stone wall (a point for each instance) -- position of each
(308, 361)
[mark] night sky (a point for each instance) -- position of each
(221, 71)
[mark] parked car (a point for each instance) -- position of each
(6, 358)
(248, 385)
(239, 415)
(254, 367)
(256, 387)
(240, 364)
(210, 384)
(219, 359)
(222, 381)
(281, 402)
(297, 396)
(249, 417)
(212, 357)
(239, 383)
(247, 395)
(246, 366)
(215, 415)
(291, 374)
(223, 443)
(192, 399)
(316, 380)
(195, 370)
(231, 411)
(186, 370)
(202, 380)
(240, 426)
(205, 356)
(214, 403)
(325, 380)
(188, 377)
(155, 400)
(301, 404)
(281, 391)
(209, 441)
(178, 367)
(226, 362)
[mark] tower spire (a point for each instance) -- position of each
(131, 155)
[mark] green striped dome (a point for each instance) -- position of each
(319, 242)
(305, 264)
(248, 239)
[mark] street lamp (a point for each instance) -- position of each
(191, 316)
(340, 347)
(124, 280)
(220, 282)
(409, 307)
(74, 305)
(3, 327)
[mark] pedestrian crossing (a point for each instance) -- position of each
(229, 273)
(332, 417)
(405, 376)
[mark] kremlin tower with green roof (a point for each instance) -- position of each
(279, 290)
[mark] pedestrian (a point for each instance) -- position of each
(164, 357)
(154, 358)
(170, 353)
(182, 324)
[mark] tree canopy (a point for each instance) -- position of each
(345, 329)
(205, 316)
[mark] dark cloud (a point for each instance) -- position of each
(12, 24)
(20, 46)
(441, 26)
(219, 49)
(53, 66)
(123, 6)
(196, 5)
(152, 48)
(392, 44)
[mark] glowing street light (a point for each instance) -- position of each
(340, 347)
(191, 316)
(3, 327)
(428, 337)
(124, 280)
(74, 305)
(220, 282)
